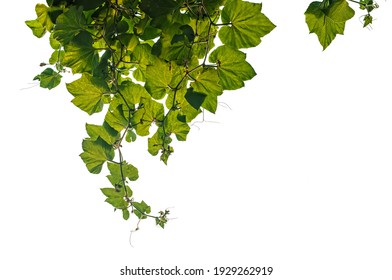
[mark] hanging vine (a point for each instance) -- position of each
(155, 66)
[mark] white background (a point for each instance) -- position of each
(295, 175)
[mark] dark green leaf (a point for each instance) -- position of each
(156, 8)
(88, 4)
(48, 78)
(195, 98)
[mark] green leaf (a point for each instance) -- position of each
(326, 21)
(116, 116)
(131, 136)
(175, 43)
(195, 98)
(246, 24)
(175, 124)
(69, 24)
(126, 214)
(116, 173)
(208, 83)
(156, 8)
(43, 16)
(158, 78)
(88, 4)
(157, 142)
(150, 112)
(88, 92)
(132, 92)
(95, 154)
(117, 192)
(37, 28)
(141, 209)
(233, 69)
(117, 202)
(142, 57)
(105, 132)
(182, 104)
(48, 78)
(80, 55)
(56, 57)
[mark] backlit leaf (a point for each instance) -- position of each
(48, 78)
(88, 93)
(80, 55)
(95, 154)
(158, 77)
(326, 21)
(246, 24)
(233, 69)
(69, 24)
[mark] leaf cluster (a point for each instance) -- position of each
(153, 66)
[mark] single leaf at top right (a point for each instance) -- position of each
(328, 18)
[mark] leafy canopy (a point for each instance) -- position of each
(156, 66)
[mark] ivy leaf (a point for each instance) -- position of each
(150, 112)
(48, 78)
(116, 174)
(44, 21)
(116, 192)
(142, 57)
(246, 24)
(69, 24)
(117, 202)
(105, 132)
(80, 55)
(141, 209)
(116, 117)
(158, 78)
(88, 92)
(43, 16)
(326, 21)
(207, 82)
(175, 124)
(233, 69)
(95, 154)
(132, 92)
(37, 28)
(182, 104)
